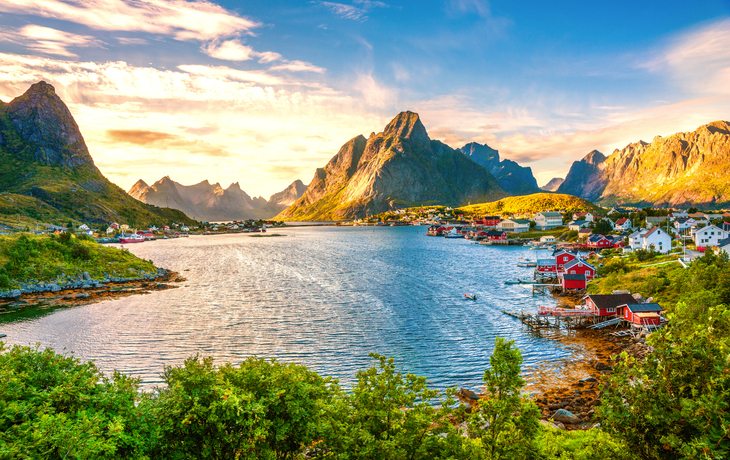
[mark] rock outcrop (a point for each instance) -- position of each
(211, 202)
(553, 185)
(398, 167)
(513, 178)
(681, 170)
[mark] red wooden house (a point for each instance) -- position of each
(569, 281)
(495, 235)
(641, 314)
(599, 242)
(607, 304)
(488, 221)
(546, 266)
(579, 266)
(563, 257)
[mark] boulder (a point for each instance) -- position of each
(565, 416)
(555, 425)
(467, 394)
(86, 276)
(14, 294)
(603, 367)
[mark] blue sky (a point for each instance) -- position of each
(262, 93)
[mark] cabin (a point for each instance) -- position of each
(562, 257)
(547, 266)
(724, 246)
(547, 239)
(606, 304)
(579, 266)
(548, 220)
(488, 221)
(573, 282)
(576, 225)
(622, 224)
(495, 235)
(709, 236)
(584, 233)
(599, 242)
(641, 314)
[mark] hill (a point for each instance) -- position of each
(45, 159)
(553, 185)
(531, 203)
(681, 170)
(397, 168)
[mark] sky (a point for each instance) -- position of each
(264, 92)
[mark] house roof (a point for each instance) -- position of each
(646, 235)
(642, 307)
(575, 277)
(544, 262)
(521, 221)
(621, 221)
(585, 231)
(495, 233)
(578, 222)
(724, 242)
(575, 262)
(611, 300)
(550, 214)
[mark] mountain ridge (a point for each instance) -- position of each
(681, 170)
(513, 178)
(395, 168)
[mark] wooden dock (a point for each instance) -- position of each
(569, 319)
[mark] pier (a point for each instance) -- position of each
(556, 317)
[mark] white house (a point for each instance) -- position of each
(548, 220)
(683, 223)
(83, 227)
(724, 245)
(184, 229)
(622, 224)
(636, 239)
(709, 236)
(514, 225)
(578, 224)
(586, 216)
(547, 239)
(109, 230)
(658, 239)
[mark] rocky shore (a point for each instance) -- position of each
(83, 290)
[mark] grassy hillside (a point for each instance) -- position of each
(531, 203)
(50, 258)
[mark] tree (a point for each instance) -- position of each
(676, 404)
(602, 227)
(506, 423)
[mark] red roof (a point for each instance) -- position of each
(621, 221)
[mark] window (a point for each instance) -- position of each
(610, 310)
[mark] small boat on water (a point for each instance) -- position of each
(469, 296)
(512, 282)
(128, 239)
(526, 263)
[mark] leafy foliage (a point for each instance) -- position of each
(530, 204)
(676, 404)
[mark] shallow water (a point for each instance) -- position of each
(321, 296)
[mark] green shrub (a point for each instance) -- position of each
(80, 251)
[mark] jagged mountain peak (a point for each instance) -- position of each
(407, 125)
(720, 126)
(553, 185)
(513, 178)
(140, 184)
(594, 158)
(43, 120)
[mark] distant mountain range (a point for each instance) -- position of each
(513, 178)
(48, 174)
(682, 170)
(398, 167)
(211, 202)
(553, 185)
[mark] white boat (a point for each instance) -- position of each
(469, 296)
(453, 234)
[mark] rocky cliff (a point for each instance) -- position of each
(681, 170)
(398, 167)
(211, 202)
(513, 178)
(553, 185)
(46, 163)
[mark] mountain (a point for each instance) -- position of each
(211, 202)
(513, 178)
(48, 174)
(398, 167)
(681, 170)
(553, 185)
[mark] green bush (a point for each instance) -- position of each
(80, 251)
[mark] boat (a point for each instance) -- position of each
(128, 239)
(469, 296)
(512, 282)
(527, 263)
(453, 233)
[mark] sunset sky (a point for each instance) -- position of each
(262, 93)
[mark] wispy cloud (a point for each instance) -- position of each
(230, 50)
(182, 19)
(49, 41)
(298, 66)
(355, 13)
(165, 141)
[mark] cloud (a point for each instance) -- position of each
(48, 41)
(268, 56)
(137, 136)
(298, 66)
(346, 11)
(165, 141)
(232, 74)
(698, 60)
(182, 19)
(230, 50)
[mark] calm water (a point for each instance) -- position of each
(324, 297)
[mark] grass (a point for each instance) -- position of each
(530, 204)
(28, 258)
